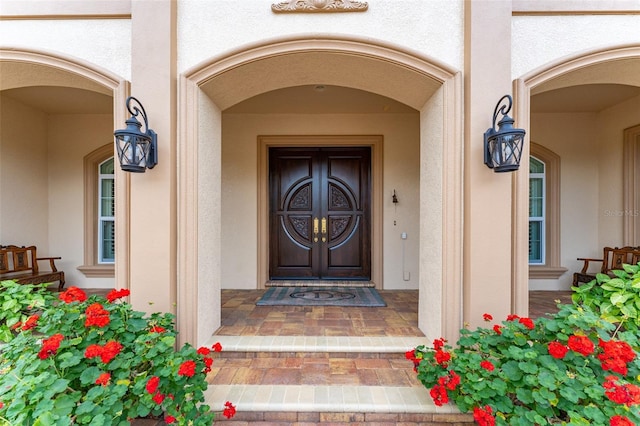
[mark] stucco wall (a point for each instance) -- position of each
(539, 40)
(103, 42)
(611, 124)
(207, 29)
(239, 187)
(70, 138)
(23, 176)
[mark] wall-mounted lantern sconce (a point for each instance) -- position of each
(394, 197)
(137, 151)
(503, 147)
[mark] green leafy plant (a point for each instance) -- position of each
(573, 368)
(617, 298)
(20, 307)
(94, 360)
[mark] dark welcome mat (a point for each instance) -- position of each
(321, 296)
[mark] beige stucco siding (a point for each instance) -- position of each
(23, 175)
(401, 163)
(103, 42)
(70, 137)
(539, 40)
(206, 31)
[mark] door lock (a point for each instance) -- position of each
(315, 229)
(324, 230)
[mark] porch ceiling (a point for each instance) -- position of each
(369, 74)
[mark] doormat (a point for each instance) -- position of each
(321, 296)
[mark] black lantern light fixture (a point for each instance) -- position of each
(137, 151)
(503, 147)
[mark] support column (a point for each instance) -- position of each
(153, 193)
(487, 216)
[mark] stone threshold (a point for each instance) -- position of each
(331, 344)
(326, 399)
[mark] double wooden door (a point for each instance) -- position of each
(319, 204)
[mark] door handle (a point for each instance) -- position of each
(324, 230)
(315, 229)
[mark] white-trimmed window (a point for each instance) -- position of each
(106, 212)
(537, 208)
(544, 214)
(99, 209)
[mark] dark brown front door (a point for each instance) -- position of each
(319, 204)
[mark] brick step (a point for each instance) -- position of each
(313, 369)
(283, 380)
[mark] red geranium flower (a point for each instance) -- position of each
(208, 362)
(187, 368)
(616, 355)
(439, 395)
(93, 351)
(581, 344)
(483, 416)
(229, 410)
(117, 294)
(450, 381)
(217, 347)
(103, 379)
(442, 357)
(512, 317)
(157, 329)
(50, 346)
(487, 365)
(169, 419)
(527, 322)
(96, 315)
(620, 421)
(204, 351)
(110, 350)
(627, 394)
(557, 350)
(438, 343)
(16, 325)
(497, 328)
(152, 384)
(73, 294)
(158, 398)
(487, 317)
(31, 322)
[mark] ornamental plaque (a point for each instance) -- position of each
(314, 6)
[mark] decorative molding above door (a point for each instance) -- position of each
(319, 6)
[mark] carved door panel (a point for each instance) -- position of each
(320, 213)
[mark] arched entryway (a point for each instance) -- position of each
(77, 105)
(611, 78)
(421, 83)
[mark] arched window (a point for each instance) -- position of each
(99, 213)
(544, 214)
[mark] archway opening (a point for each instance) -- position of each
(212, 89)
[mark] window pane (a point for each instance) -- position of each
(536, 200)
(106, 168)
(107, 199)
(535, 242)
(108, 242)
(535, 165)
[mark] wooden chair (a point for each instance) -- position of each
(612, 258)
(21, 264)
